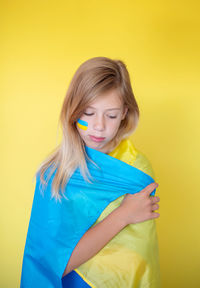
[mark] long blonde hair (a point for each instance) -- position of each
(93, 77)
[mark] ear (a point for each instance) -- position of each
(125, 112)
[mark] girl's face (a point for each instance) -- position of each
(101, 120)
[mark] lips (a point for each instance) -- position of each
(96, 139)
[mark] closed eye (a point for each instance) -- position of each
(88, 114)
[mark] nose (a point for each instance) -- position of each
(99, 123)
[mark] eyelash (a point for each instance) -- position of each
(112, 117)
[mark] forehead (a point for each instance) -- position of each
(108, 100)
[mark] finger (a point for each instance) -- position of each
(155, 215)
(150, 188)
(155, 199)
(155, 207)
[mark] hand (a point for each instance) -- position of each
(139, 207)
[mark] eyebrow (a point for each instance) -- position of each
(106, 109)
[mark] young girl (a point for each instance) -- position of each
(92, 223)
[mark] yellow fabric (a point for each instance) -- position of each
(131, 258)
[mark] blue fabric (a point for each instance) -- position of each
(55, 228)
(73, 280)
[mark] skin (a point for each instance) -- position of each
(103, 116)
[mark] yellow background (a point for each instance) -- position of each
(43, 44)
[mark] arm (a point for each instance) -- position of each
(133, 209)
(95, 239)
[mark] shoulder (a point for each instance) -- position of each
(127, 152)
(143, 163)
(140, 160)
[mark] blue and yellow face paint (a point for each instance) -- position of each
(82, 124)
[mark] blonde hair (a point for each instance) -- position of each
(93, 77)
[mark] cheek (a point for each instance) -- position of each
(113, 127)
(82, 133)
(82, 124)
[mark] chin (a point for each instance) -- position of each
(96, 145)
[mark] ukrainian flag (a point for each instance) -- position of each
(130, 259)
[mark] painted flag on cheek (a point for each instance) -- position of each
(82, 124)
(55, 228)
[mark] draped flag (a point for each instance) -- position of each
(55, 228)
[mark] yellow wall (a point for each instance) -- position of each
(44, 42)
